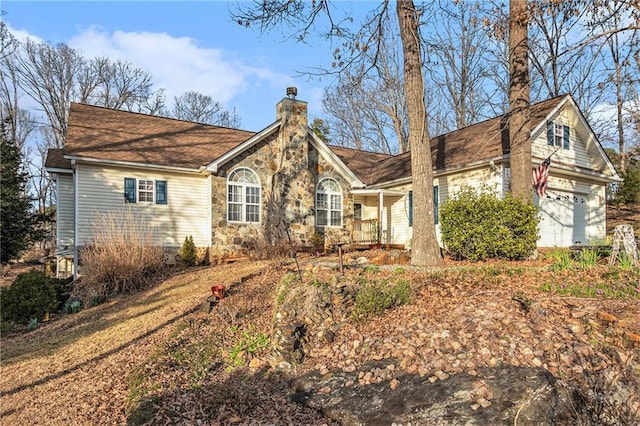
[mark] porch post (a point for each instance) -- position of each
(380, 211)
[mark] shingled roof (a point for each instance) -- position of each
(481, 141)
(56, 160)
(107, 134)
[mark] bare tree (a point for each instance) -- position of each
(303, 17)
(458, 63)
(114, 84)
(194, 106)
(367, 105)
(519, 99)
(46, 74)
(620, 69)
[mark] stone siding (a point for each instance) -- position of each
(289, 168)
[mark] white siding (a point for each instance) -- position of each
(187, 211)
(399, 230)
(64, 210)
(452, 183)
(583, 150)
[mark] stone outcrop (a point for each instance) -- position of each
(375, 395)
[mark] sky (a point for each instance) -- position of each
(187, 46)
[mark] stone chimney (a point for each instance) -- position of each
(292, 111)
(290, 185)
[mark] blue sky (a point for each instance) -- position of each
(186, 46)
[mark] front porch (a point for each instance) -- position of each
(380, 219)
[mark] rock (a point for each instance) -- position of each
(604, 316)
(257, 363)
(531, 394)
(635, 338)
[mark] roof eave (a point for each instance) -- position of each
(214, 166)
(344, 170)
(120, 163)
(58, 170)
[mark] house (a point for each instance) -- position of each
(230, 188)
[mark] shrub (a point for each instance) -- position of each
(250, 343)
(188, 252)
(122, 256)
(317, 242)
(477, 225)
(31, 296)
(561, 259)
(73, 306)
(374, 297)
(33, 324)
(588, 258)
(629, 191)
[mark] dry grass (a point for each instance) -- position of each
(74, 369)
(122, 256)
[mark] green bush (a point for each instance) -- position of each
(478, 225)
(31, 295)
(374, 297)
(72, 306)
(629, 191)
(188, 253)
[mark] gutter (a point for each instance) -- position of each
(132, 164)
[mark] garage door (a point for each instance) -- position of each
(563, 219)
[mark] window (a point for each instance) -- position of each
(328, 203)
(357, 211)
(243, 196)
(558, 135)
(145, 191)
(436, 206)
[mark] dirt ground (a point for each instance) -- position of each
(156, 357)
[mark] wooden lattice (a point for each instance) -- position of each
(624, 239)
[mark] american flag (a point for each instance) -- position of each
(540, 176)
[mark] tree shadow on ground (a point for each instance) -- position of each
(244, 397)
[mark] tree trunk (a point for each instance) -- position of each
(519, 88)
(425, 248)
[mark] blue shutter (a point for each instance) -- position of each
(410, 196)
(129, 190)
(436, 203)
(550, 135)
(161, 192)
(565, 137)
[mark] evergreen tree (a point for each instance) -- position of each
(16, 221)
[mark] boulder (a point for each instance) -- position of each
(500, 395)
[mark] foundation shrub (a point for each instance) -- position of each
(477, 225)
(188, 252)
(122, 256)
(31, 296)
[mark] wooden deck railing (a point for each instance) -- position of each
(365, 232)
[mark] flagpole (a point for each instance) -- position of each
(554, 153)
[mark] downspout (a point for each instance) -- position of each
(74, 166)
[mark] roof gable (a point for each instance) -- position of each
(585, 141)
(98, 133)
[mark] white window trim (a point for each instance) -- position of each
(558, 134)
(329, 210)
(243, 203)
(152, 191)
